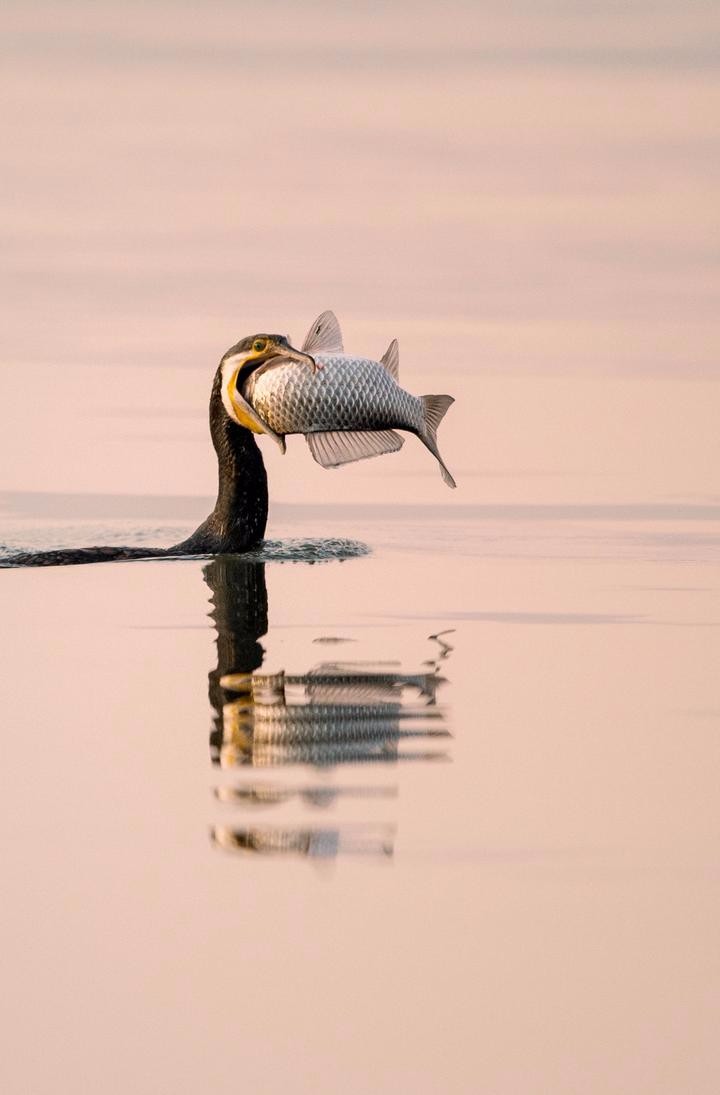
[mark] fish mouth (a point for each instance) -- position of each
(275, 353)
(289, 353)
(260, 367)
(276, 350)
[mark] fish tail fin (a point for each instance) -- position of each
(434, 408)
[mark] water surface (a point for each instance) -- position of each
(522, 853)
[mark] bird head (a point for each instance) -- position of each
(244, 358)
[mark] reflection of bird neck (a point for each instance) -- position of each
(242, 502)
(239, 611)
(240, 614)
(240, 515)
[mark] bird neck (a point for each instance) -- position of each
(240, 515)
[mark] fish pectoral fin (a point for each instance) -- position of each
(324, 336)
(337, 447)
(391, 360)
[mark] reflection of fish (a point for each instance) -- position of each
(325, 755)
(348, 408)
(243, 723)
(314, 843)
(342, 682)
(266, 736)
(270, 794)
(292, 716)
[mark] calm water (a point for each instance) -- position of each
(442, 817)
(408, 858)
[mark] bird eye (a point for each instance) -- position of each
(259, 344)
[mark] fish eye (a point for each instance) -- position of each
(259, 344)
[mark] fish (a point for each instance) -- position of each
(348, 407)
(271, 794)
(367, 839)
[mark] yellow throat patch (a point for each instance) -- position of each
(241, 414)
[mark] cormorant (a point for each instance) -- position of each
(237, 523)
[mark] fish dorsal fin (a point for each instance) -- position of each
(391, 359)
(324, 336)
(338, 447)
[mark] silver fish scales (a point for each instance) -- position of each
(349, 407)
(347, 393)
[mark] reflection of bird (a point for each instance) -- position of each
(352, 714)
(336, 715)
(238, 520)
(240, 614)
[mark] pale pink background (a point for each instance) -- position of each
(525, 194)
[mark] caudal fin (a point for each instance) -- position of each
(434, 408)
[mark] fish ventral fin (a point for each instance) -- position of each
(324, 336)
(391, 359)
(337, 447)
(434, 408)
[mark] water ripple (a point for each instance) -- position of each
(295, 550)
(277, 551)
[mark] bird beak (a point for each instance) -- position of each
(289, 353)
